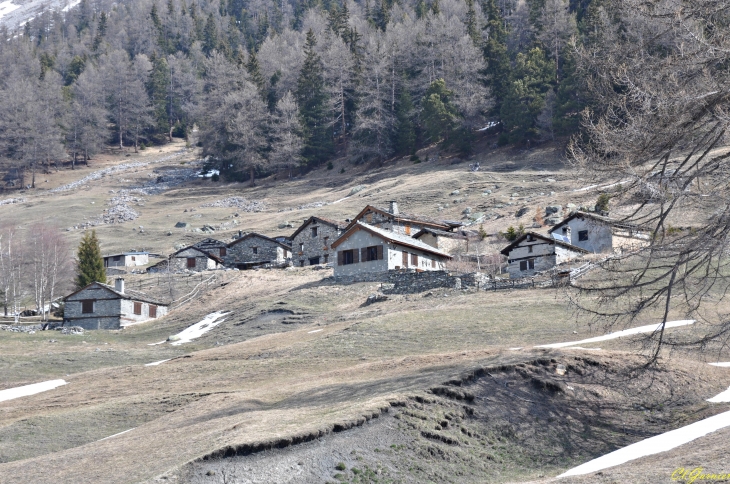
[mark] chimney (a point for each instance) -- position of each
(119, 285)
(393, 207)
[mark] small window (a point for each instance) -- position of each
(117, 258)
(314, 231)
(405, 258)
(326, 258)
(138, 308)
(255, 250)
(326, 242)
(191, 262)
(529, 249)
(565, 230)
(153, 311)
(133, 259)
(87, 307)
(346, 257)
(408, 230)
(371, 253)
(223, 251)
(582, 235)
(414, 260)
(526, 265)
(301, 263)
(433, 263)
(313, 261)
(301, 247)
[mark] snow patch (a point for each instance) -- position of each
(71, 5)
(724, 364)
(723, 397)
(26, 390)
(7, 7)
(198, 329)
(654, 445)
(209, 174)
(155, 344)
(650, 328)
(120, 433)
(315, 331)
(157, 362)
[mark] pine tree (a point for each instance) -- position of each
(439, 114)
(254, 72)
(472, 27)
(312, 100)
(405, 135)
(531, 79)
(570, 99)
(100, 32)
(421, 9)
(210, 35)
(495, 53)
(90, 264)
(157, 88)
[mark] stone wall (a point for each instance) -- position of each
(306, 246)
(106, 309)
(409, 282)
(179, 262)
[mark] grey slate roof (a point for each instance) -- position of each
(392, 237)
(127, 294)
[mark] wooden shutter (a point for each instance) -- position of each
(223, 251)
(87, 306)
(433, 263)
(405, 258)
(380, 252)
(191, 262)
(340, 257)
(414, 259)
(355, 256)
(138, 308)
(408, 230)
(153, 311)
(364, 254)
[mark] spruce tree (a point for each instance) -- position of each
(472, 28)
(405, 135)
(254, 72)
(495, 53)
(90, 266)
(157, 87)
(312, 101)
(210, 35)
(439, 114)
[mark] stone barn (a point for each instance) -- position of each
(212, 246)
(533, 252)
(312, 241)
(366, 249)
(252, 250)
(127, 259)
(394, 221)
(457, 242)
(597, 234)
(189, 259)
(100, 306)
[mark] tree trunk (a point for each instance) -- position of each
(252, 172)
(32, 181)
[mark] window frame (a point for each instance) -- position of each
(84, 306)
(137, 311)
(314, 231)
(152, 311)
(192, 260)
(582, 236)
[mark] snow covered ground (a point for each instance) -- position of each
(198, 329)
(724, 363)
(654, 445)
(15, 13)
(24, 391)
(120, 433)
(723, 397)
(157, 362)
(618, 334)
(7, 7)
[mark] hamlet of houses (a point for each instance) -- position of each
(376, 241)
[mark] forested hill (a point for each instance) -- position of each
(290, 83)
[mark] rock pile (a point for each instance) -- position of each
(30, 329)
(240, 203)
(11, 201)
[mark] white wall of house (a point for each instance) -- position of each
(392, 256)
(128, 260)
(128, 316)
(597, 236)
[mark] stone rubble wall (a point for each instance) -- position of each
(409, 282)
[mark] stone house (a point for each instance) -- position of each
(212, 246)
(533, 252)
(127, 259)
(188, 259)
(311, 243)
(598, 234)
(364, 249)
(394, 221)
(100, 306)
(252, 250)
(457, 242)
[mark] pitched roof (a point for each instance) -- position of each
(127, 294)
(459, 234)
(126, 253)
(573, 215)
(254, 234)
(333, 223)
(522, 237)
(205, 253)
(403, 217)
(208, 243)
(389, 236)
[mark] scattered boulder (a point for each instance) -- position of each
(551, 209)
(522, 211)
(286, 225)
(373, 298)
(455, 192)
(466, 211)
(182, 225)
(486, 192)
(550, 180)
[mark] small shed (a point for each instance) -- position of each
(364, 248)
(127, 259)
(312, 241)
(100, 306)
(253, 250)
(533, 252)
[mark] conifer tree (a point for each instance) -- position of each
(254, 72)
(312, 100)
(495, 53)
(157, 87)
(210, 35)
(472, 27)
(439, 114)
(405, 135)
(90, 264)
